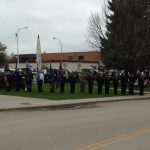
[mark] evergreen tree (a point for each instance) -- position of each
(126, 43)
(3, 55)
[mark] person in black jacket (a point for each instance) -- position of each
(123, 81)
(115, 78)
(141, 83)
(63, 81)
(72, 81)
(90, 81)
(132, 79)
(107, 82)
(17, 79)
(100, 80)
(29, 79)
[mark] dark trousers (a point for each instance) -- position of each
(8, 87)
(90, 88)
(115, 87)
(123, 88)
(40, 85)
(72, 88)
(17, 86)
(82, 87)
(131, 89)
(62, 86)
(99, 85)
(106, 88)
(52, 87)
(141, 88)
(29, 86)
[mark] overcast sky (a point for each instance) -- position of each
(65, 19)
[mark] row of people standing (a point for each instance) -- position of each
(57, 79)
(9, 80)
(125, 79)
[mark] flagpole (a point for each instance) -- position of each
(56, 38)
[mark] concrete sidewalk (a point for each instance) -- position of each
(10, 103)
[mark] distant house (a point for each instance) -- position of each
(70, 59)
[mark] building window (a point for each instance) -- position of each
(70, 57)
(80, 58)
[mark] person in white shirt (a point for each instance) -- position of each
(40, 82)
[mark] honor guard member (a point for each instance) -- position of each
(123, 81)
(63, 81)
(115, 78)
(90, 81)
(100, 80)
(17, 79)
(29, 78)
(131, 83)
(107, 82)
(72, 81)
(141, 83)
(52, 82)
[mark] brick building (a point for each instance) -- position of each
(69, 59)
(89, 57)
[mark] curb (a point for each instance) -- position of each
(69, 105)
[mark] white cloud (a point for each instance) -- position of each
(66, 19)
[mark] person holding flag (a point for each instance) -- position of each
(28, 77)
(59, 76)
(51, 79)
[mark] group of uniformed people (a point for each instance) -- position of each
(103, 79)
(124, 79)
(58, 79)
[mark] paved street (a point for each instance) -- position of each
(107, 126)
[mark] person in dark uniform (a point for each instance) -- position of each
(115, 78)
(51, 79)
(132, 80)
(100, 80)
(107, 82)
(90, 81)
(123, 81)
(17, 79)
(141, 83)
(72, 81)
(28, 78)
(63, 81)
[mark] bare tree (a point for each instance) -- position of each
(97, 26)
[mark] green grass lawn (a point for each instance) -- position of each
(58, 96)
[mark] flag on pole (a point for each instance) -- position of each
(28, 65)
(16, 65)
(50, 69)
(59, 76)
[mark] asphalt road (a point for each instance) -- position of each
(109, 126)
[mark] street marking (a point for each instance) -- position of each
(115, 139)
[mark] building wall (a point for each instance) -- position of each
(90, 56)
(70, 59)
